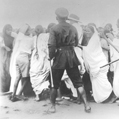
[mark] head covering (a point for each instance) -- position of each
(92, 24)
(50, 26)
(62, 12)
(91, 28)
(87, 34)
(74, 17)
(100, 28)
(109, 27)
(106, 31)
(8, 39)
(101, 32)
(39, 29)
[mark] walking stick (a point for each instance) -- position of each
(112, 61)
(109, 63)
(52, 85)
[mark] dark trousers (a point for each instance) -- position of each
(73, 74)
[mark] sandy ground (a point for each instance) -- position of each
(66, 110)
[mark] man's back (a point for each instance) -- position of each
(65, 35)
(26, 43)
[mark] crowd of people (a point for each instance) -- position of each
(84, 57)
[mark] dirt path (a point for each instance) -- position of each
(35, 110)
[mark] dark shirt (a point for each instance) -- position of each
(63, 38)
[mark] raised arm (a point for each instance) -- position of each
(110, 39)
(104, 44)
(24, 28)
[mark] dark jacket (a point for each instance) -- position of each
(63, 38)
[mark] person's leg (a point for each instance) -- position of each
(24, 83)
(16, 85)
(87, 86)
(24, 68)
(79, 97)
(59, 96)
(110, 75)
(57, 75)
(74, 97)
(37, 98)
(18, 77)
(53, 95)
(13, 97)
(74, 75)
(83, 95)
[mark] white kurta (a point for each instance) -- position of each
(13, 64)
(39, 69)
(94, 58)
(115, 56)
(16, 50)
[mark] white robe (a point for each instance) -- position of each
(94, 58)
(39, 69)
(115, 56)
(69, 84)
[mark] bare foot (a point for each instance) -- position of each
(13, 98)
(37, 98)
(59, 99)
(112, 100)
(21, 97)
(52, 109)
(87, 109)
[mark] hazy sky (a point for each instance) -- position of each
(33, 12)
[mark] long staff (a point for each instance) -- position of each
(112, 61)
(52, 85)
(109, 63)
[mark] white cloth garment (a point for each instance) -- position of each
(94, 58)
(22, 44)
(78, 52)
(115, 56)
(80, 31)
(69, 84)
(13, 62)
(1, 41)
(39, 70)
(105, 46)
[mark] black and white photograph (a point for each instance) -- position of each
(59, 59)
